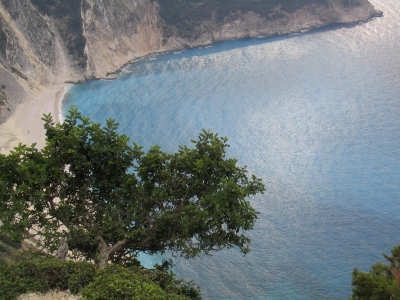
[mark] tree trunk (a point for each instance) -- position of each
(62, 251)
(105, 251)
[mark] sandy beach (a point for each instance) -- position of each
(25, 125)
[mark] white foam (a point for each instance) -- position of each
(126, 69)
(152, 56)
(60, 114)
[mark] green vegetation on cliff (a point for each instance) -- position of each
(3, 40)
(69, 24)
(113, 282)
(186, 16)
(183, 17)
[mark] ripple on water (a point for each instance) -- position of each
(315, 115)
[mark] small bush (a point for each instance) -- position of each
(120, 283)
(112, 283)
(44, 275)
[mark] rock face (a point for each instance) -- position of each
(119, 31)
(32, 54)
(35, 54)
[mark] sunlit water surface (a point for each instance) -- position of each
(316, 115)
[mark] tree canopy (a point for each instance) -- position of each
(381, 282)
(111, 200)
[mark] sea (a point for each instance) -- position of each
(316, 115)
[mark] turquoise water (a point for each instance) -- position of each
(316, 115)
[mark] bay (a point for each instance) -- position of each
(316, 115)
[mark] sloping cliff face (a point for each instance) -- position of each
(37, 47)
(32, 55)
(117, 32)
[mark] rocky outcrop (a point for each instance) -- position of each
(33, 57)
(34, 47)
(252, 25)
(117, 32)
(33, 53)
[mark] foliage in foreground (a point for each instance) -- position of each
(111, 200)
(113, 282)
(119, 283)
(381, 282)
(43, 276)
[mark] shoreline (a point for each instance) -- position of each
(114, 74)
(25, 124)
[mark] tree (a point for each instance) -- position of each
(382, 282)
(111, 200)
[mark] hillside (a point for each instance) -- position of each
(187, 18)
(48, 42)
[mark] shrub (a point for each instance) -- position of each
(44, 275)
(113, 282)
(167, 281)
(119, 283)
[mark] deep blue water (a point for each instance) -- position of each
(316, 115)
